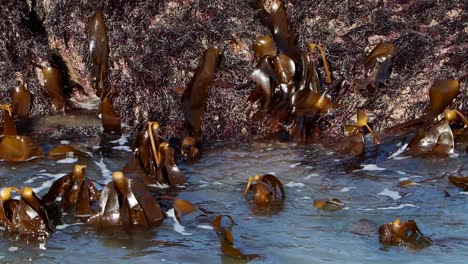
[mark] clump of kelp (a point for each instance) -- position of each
(294, 93)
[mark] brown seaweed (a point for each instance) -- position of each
(227, 239)
(54, 84)
(99, 52)
(27, 216)
(21, 101)
(406, 233)
(266, 80)
(265, 189)
(126, 202)
(188, 149)
(330, 205)
(77, 192)
(110, 119)
(8, 125)
(264, 46)
(377, 67)
(441, 94)
(195, 95)
(19, 148)
(63, 151)
(432, 139)
(186, 212)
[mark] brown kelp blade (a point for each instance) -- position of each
(381, 51)
(330, 205)
(21, 101)
(284, 37)
(18, 148)
(147, 202)
(54, 85)
(461, 182)
(63, 151)
(188, 149)
(362, 122)
(99, 51)
(353, 144)
(453, 115)
(434, 139)
(36, 203)
(285, 68)
(275, 183)
(9, 127)
(314, 46)
(174, 174)
(110, 119)
(265, 79)
(441, 94)
(264, 46)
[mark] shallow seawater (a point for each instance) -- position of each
(298, 233)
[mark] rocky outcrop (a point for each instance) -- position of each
(155, 47)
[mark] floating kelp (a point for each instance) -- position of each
(264, 46)
(187, 213)
(77, 192)
(406, 233)
(126, 202)
(460, 180)
(362, 122)
(8, 125)
(353, 143)
(188, 149)
(64, 151)
(21, 101)
(154, 159)
(265, 189)
(54, 84)
(227, 239)
(26, 216)
(99, 52)
(330, 205)
(110, 119)
(196, 94)
(18, 148)
(432, 139)
(377, 67)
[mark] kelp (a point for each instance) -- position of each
(264, 46)
(99, 52)
(110, 119)
(21, 101)
(19, 148)
(461, 179)
(126, 202)
(226, 238)
(330, 205)
(406, 233)
(441, 94)
(362, 122)
(186, 212)
(432, 139)
(195, 95)
(8, 125)
(265, 79)
(377, 67)
(154, 158)
(77, 192)
(188, 149)
(54, 84)
(265, 189)
(353, 143)
(64, 151)
(26, 216)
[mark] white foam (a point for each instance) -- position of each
(48, 183)
(308, 167)
(465, 193)
(401, 172)
(67, 160)
(159, 185)
(371, 167)
(398, 152)
(121, 141)
(294, 165)
(397, 207)
(392, 194)
(64, 142)
(311, 175)
(218, 183)
(347, 189)
(123, 148)
(207, 227)
(13, 249)
(177, 226)
(294, 184)
(106, 173)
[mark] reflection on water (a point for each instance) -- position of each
(297, 233)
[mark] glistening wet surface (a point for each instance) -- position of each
(298, 233)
